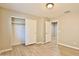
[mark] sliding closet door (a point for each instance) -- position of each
(47, 31)
(30, 31)
(18, 31)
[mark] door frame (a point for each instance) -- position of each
(57, 29)
(11, 30)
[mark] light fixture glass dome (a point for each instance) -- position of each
(49, 5)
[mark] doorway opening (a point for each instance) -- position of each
(18, 31)
(54, 30)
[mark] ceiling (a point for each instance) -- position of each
(39, 9)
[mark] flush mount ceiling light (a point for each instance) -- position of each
(49, 5)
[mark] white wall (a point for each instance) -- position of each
(69, 29)
(48, 31)
(40, 30)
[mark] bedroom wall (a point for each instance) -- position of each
(69, 29)
(5, 25)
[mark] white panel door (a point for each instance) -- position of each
(48, 31)
(30, 32)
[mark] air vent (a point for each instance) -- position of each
(68, 11)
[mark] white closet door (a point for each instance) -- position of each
(19, 34)
(18, 31)
(30, 31)
(48, 31)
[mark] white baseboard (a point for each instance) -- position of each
(68, 46)
(47, 42)
(16, 44)
(1, 51)
(40, 42)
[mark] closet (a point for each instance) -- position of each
(23, 31)
(18, 31)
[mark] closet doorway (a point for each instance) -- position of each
(23, 31)
(18, 31)
(54, 30)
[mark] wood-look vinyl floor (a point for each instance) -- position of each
(65, 51)
(48, 49)
(32, 50)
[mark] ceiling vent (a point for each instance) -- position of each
(68, 11)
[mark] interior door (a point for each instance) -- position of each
(48, 31)
(30, 32)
